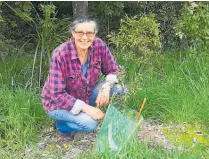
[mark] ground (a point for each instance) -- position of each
(53, 145)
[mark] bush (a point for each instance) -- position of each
(139, 35)
(193, 24)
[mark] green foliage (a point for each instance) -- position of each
(15, 70)
(21, 112)
(179, 90)
(7, 46)
(23, 10)
(107, 15)
(50, 32)
(112, 9)
(166, 13)
(13, 26)
(194, 24)
(15, 64)
(176, 90)
(1, 19)
(139, 35)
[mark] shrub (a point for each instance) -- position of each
(193, 24)
(139, 35)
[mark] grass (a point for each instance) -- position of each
(15, 70)
(177, 91)
(134, 149)
(180, 91)
(21, 113)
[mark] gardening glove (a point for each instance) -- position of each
(103, 95)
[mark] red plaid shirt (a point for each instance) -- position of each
(65, 83)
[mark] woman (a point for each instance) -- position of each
(72, 90)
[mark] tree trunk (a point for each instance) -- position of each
(80, 8)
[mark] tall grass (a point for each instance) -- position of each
(15, 70)
(178, 91)
(21, 113)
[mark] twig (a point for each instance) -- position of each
(141, 108)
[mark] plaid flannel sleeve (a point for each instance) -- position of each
(57, 84)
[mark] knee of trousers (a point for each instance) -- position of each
(91, 124)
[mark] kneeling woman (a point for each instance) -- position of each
(72, 89)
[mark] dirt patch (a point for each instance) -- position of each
(53, 145)
(152, 134)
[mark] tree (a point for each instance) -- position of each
(79, 8)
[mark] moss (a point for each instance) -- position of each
(191, 136)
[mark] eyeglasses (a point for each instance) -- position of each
(81, 33)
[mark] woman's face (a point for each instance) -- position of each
(84, 34)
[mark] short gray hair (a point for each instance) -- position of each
(83, 19)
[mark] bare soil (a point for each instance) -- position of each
(53, 145)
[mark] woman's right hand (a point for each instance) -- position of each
(94, 113)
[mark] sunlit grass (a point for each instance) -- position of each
(21, 112)
(178, 91)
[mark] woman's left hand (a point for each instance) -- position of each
(103, 95)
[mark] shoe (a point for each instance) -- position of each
(54, 125)
(69, 136)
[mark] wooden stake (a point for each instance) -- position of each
(141, 108)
